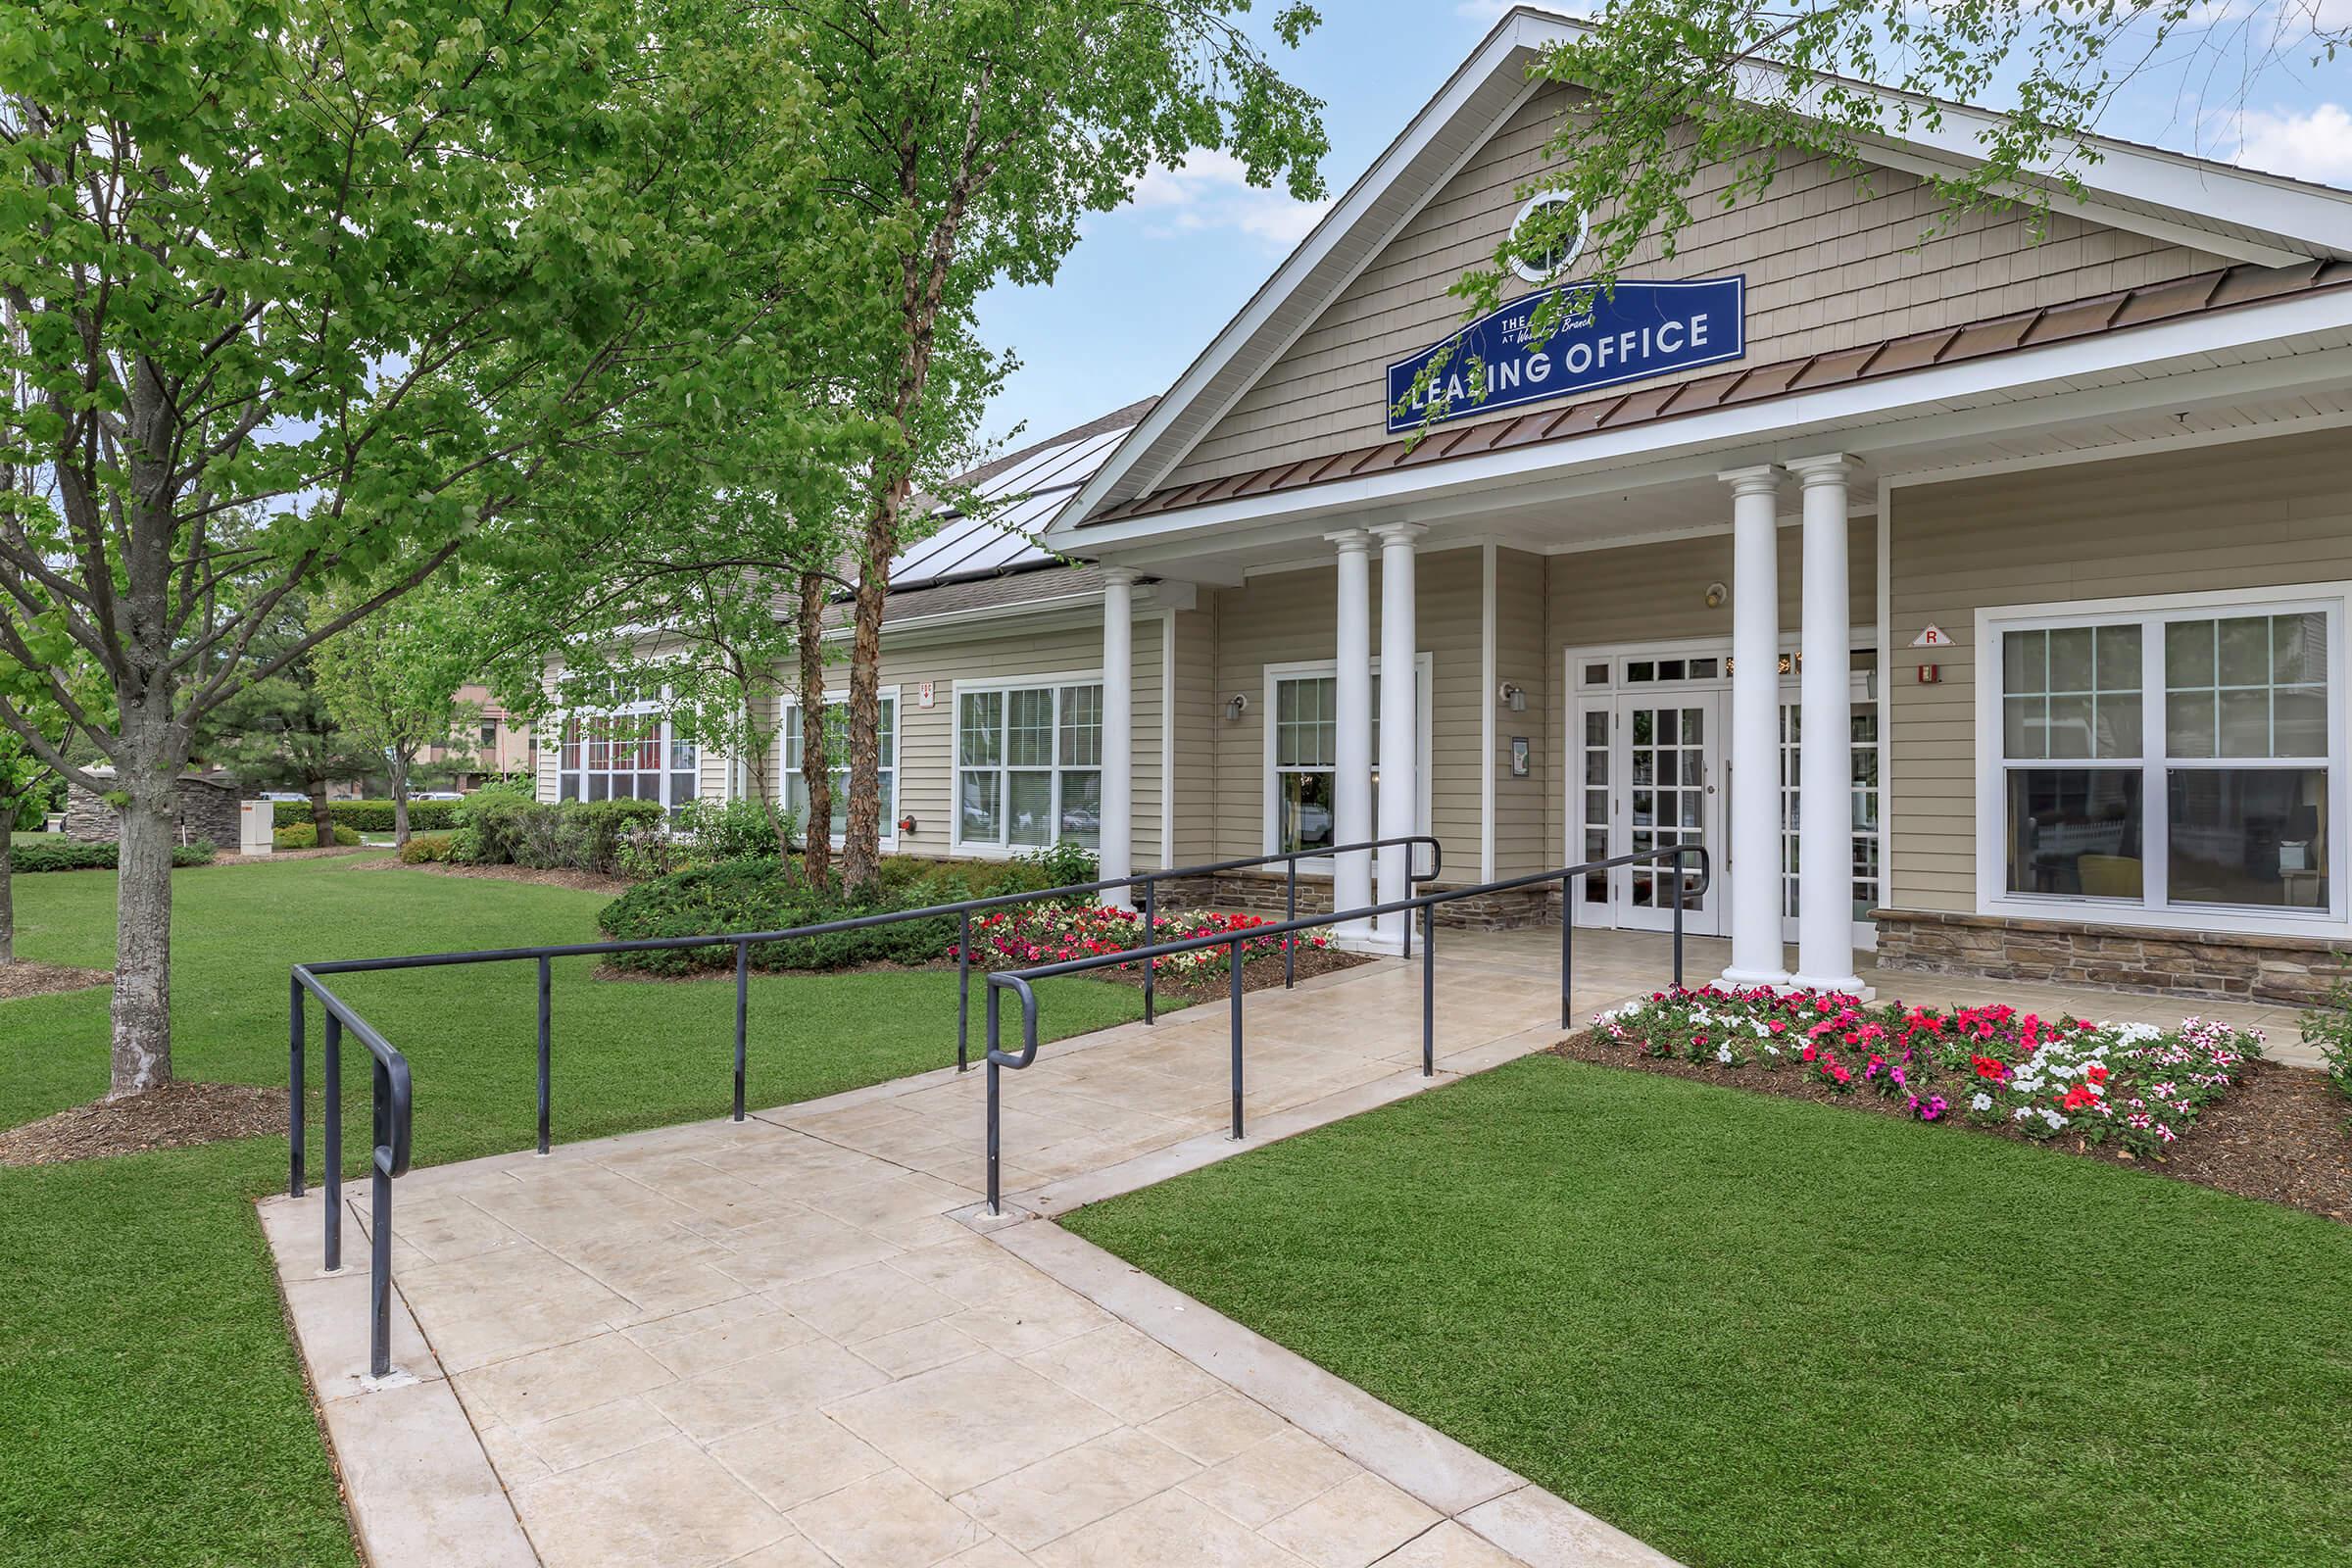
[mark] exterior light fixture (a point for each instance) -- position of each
(1513, 697)
(1235, 706)
(1717, 593)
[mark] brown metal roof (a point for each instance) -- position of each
(1919, 351)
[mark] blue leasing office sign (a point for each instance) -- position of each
(1643, 329)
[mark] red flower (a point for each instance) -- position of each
(2095, 1073)
(1990, 1068)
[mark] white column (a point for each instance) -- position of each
(1351, 803)
(1756, 749)
(1118, 729)
(1824, 899)
(1400, 724)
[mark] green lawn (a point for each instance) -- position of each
(1755, 1331)
(151, 1410)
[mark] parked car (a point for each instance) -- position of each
(280, 795)
(438, 794)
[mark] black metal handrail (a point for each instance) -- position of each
(393, 1101)
(1019, 981)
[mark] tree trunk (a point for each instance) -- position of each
(400, 802)
(817, 769)
(142, 1004)
(8, 892)
(323, 821)
(861, 837)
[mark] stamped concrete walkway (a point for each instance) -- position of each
(797, 1341)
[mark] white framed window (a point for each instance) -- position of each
(1028, 763)
(631, 750)
(837, 717)
(1864, 723)
(1302, 753)
(2175, 761)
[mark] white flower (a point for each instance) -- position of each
(1723, 1054)
(1980, 1101)
(2021, 1113)
(2055, 1120)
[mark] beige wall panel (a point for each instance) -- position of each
(926, 740)
(2249, 514)
(1197, 699)
(1522, 841)
(1828, 266)
(1291, 617)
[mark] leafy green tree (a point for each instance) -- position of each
(281, 731)
(311, 292)
(1667, 91)
(974, 138)
(390, 681)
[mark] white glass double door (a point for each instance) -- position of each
(1652, 777)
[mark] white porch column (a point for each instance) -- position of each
(1400, 724)
(1352, 803)
(1825, 902)
(1755, 805)
(1117, 851)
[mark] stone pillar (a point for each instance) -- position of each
(1400, 721)
(1352, 788)
(1754, 881)
(1117, 849)
(1824, 913)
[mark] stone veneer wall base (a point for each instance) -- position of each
(2217, 965)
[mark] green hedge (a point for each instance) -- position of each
(54, 852)
(370, 817)
(498, 829)
(304, 836)
(763, 895)
(426, 848)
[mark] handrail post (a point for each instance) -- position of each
(333, 1141)
(294, 1087)
(1381, 895)
(1567, 946)
(742, 1005)
(1289, 944)
(1676, 865)
(1234, 959)
(994, 1205)
(1150, 936)
(964, 993)
(547, 986)
(1429, 987)
(379, 1258)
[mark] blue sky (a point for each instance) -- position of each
(1149, 285)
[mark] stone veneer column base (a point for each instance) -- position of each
(2219, 965)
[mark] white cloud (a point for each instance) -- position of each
(2311, 144)
(1212, 192)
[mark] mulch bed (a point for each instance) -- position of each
(2279, 1136)
(178, 1115)
(1258, 974)
(25, 978)
(578, 881)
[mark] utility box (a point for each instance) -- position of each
(256, 819)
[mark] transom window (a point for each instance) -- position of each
(1029, 765)
(2176, 759)
(632, 752)
(837, 719)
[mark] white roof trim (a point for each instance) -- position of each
(2290, 220)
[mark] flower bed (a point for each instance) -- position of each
(2132, 1085)
(1031, 934)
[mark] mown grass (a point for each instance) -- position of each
(151, 1408)
(1755, 1331)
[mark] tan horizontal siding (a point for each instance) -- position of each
(1522, 841)
(1832, 260)
(2249, 514)
(1195, 763)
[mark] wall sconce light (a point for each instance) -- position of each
(1235, 706)
(1717, 593)
(1513, 697)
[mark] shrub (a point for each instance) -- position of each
(763, 895)
(52, 851)
(369, 817)
(2329, 1028)
(703, 833)
(1026, 934)
(304, 836)
(426, 849)
(1064, 863)
(500, 829)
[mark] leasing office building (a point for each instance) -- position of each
(1977, 600)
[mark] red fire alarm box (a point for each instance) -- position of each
(1930, 674)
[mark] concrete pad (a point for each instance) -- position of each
(1543, 1532)
(420, 1489)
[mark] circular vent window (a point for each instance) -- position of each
(1562, 253)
